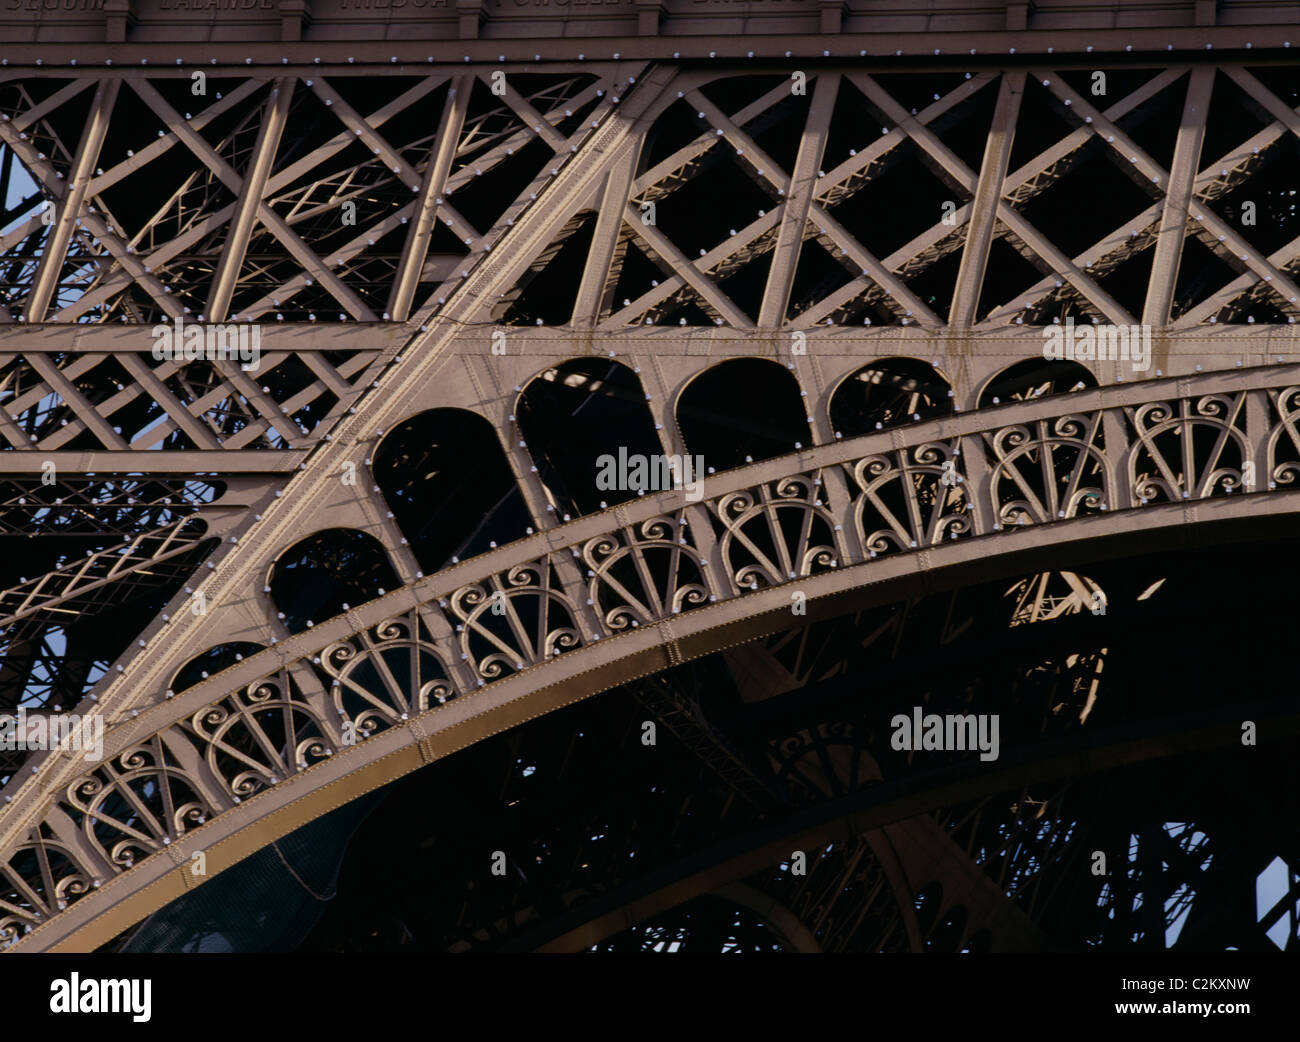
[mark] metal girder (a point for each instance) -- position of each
(92, 139)
(940, 529)
(887, 280)
(250, 194)
(1178, 197)
(431, 187)
(568, 36)
(989, 192)
(78, 588)
(798, 202)
(1038, 476)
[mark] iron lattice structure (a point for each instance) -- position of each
(828, 273)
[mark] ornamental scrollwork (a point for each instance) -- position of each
(777, 531)
(41, 878)
(911, 498)
(1283, 459)
(1190, 448)
(136, 802)
(513, 620)
(755, 535)
(1049, 469)
(258, 735)
(644, 572)
(383, 675)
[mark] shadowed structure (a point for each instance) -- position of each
(364, 627)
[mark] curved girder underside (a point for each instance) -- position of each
(751, 766)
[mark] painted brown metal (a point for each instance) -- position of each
(435, 351)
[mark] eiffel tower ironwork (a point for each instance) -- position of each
(821, 247)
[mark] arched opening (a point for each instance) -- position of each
(1035, 378)
(326, 573)
(1038, 474)
(927, 903)
(578, 412)
(214, 660)
(888, 393)
(743, 410)
(947, 935)
(449, 484)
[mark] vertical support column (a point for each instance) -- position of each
(649, 13)
(836, 485)
(575, 587)
(295, 15)
(250, 198)
(56, 245)
(698, 518)
(832, 16)
(416, 246)
(1257, 430)
(318, 696)
(597, 280)
(662, 389)
(374, 509)
(444, 637)
(794, 216)
(469, 16)
(195, 767)
(978, 476)
(530, 484)
(89, 854)
(543, 511)
(1115, 436)
(1178, 196)
(988, 195)
(838, 490)
(536, 498)
(119, 19)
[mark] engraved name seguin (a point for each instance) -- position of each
(53, 5)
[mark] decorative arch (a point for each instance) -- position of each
(888, 393)
(573, 415)
(1048, 469)
(1035, 378)
(214, 660)
(326, 573)
(743, 410)
(449, 484)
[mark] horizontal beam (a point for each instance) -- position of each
(222, 461)
(295, 337)
(127, 337)
(873, 341)
(572, 42)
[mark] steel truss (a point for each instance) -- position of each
(368, 324)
